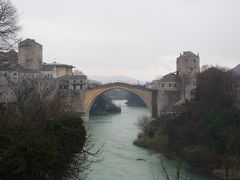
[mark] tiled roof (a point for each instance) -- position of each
(188, 53)
(28, 41)
(59, 65)
(47, 67)
(171, 77)
(236, 70)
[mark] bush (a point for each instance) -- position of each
(145, 126)
(49, 153)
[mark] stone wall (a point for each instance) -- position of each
(188, 67)
(166, 101)
(59, 71)
(30, 54)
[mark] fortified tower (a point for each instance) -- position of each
(30, 54)
(187, 68)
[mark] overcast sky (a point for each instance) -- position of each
(137, 38)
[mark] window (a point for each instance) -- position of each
(170, 85)
(162, 84)
(175, 85)
(194, 60)
(5, 74)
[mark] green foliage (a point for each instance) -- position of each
(43, 152)
(104, 105)
(215, 131)
(207, 132)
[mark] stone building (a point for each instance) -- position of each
(169, 92)
(57, 70)
(28, 62)
(188, 66)
(30, 54)
(178, 87)
(74, 82)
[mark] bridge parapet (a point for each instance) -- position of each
(120, 84)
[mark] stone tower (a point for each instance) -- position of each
(30, 54)
(188, 66)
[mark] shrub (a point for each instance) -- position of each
(27, 153)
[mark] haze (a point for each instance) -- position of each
(137, 38)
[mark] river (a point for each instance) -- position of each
(117, 132)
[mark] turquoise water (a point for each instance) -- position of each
(117, 132)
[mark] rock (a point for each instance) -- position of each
(140, 159)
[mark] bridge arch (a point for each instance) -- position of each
(92, 93)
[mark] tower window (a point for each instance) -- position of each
(170, 85)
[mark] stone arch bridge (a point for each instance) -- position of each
(149, 97)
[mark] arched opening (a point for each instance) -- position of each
(108, 101)
(145, 96)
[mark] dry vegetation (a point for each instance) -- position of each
(38, 140)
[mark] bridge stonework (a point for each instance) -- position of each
(149, 97)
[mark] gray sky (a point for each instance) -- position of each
(137, 38)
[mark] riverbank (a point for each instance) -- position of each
(173, 140)
(122, 159)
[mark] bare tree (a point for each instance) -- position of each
(34, 98)
(8, 25)
(31, 104)
(77, 72)
(177, 176)
(144, 124)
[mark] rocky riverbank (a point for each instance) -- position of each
(104, 106)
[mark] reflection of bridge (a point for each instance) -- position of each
(149, 96)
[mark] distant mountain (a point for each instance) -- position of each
(110, 79)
